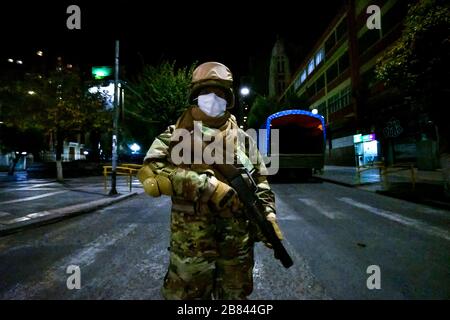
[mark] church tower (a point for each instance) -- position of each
(279, 72)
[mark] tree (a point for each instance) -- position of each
(57, 104)
(263, 107)
(418, 65)
(155, 99)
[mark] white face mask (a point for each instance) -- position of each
(212, 105)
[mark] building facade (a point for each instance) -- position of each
(366, 122)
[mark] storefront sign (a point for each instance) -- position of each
(393, 128)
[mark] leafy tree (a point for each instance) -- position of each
(418, 65)
(154, 100)
(262, 107)
(56, 104)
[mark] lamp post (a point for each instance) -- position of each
(243, 107)
(113, 190)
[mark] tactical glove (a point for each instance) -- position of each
(154, 185)
(223, 196)
(272, 218)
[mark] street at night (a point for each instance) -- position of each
(257, 153)
(333, 233)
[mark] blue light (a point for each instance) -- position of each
(286, 113)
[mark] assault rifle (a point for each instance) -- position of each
(255, 209)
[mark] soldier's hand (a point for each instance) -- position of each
(224, 196)
(154, 185)
(272, 218)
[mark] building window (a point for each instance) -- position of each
(320, 83)
(332, 72)
(297, 83)
(340, 100)
(333, 103)
(280, 87)
(344, 62)
(280, 65)
(303, 76)
(320, 56)
(369, 38)
(311, 90)
(330, 42)
(341, 29)
(311, 66)
(322, 109)
(346, 97)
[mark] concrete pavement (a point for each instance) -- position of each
(428, 188)
(333, 234)
(26, 203)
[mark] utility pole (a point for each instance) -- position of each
(113, 190)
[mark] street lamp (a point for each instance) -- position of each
(245, 91)
(134, 147)
(31, 92)
(314, 111)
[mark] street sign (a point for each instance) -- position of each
(101, 72)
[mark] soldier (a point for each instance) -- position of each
(211, 245)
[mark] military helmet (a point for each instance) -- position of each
(213, 74)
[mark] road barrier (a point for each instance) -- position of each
(386, 170)
(400, 167)
(125, 169)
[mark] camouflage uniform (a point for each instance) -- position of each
(211, 250)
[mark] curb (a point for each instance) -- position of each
(427, 202)
(51, 216)
(345, 184)
(422, 201)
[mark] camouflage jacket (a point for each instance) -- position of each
(190, 182)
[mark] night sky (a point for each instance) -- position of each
(151, 31)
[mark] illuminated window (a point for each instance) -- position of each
(311, 66)
(303, 76)
(319, 56)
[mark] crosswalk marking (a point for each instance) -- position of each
(426, 228)
(33, 198)
(4, 214)
(325, 210)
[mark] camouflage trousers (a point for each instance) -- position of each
(211, 254)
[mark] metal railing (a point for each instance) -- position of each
(400, 167)
(125, 169)
(384, 171)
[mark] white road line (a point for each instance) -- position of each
(33, 198)
(56, 276)
(431, 230)
(4, 214)
(40, 185)
(325, 210)
(87, 255)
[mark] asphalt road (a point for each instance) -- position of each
(334, 234)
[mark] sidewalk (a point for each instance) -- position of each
(27, 203)
(428, 189)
